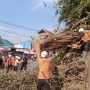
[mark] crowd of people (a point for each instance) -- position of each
(11, 62)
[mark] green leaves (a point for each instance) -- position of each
(72, 11)
(0, 39)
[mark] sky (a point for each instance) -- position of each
(27, 13)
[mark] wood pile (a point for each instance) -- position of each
(57, 40)
(72, 71)
(73, 68)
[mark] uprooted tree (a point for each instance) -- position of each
(72, 71)
(72, 66)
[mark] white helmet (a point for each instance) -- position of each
(44, 54)
(81, 29)
(17, 57)
(9, 55)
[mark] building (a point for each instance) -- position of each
(43, 33)
(23, 47)
(6, 45)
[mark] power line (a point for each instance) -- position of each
(3, 30)
(19, 35)
(19, 26)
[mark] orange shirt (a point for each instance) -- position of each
(44, 68)
(86, 37)
(13, 61)
(44, 63)
(9, 61)
(16, 62)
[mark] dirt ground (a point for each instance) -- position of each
(73, 75)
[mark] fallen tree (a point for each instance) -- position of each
(72, 67)
(57, 40)
(71, 74)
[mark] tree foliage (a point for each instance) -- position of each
(71, 11)
(0, 39)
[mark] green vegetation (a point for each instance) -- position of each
(72, 11)
(20, 81)
(0, 39)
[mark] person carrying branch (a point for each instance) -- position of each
(44, 62)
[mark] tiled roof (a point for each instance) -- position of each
(44, 30)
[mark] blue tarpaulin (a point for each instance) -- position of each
(22, 45)
(6, 43)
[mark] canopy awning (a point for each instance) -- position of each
(5, 43)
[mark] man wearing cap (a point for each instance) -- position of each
(80, 34)
(84, 39)
(44, 62)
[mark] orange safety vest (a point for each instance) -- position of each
(86, 37)
(13, 62)
(8, 61)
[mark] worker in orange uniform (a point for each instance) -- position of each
(85, 38)
(44, 62)
(8, 63)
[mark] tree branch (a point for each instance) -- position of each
(85, 18)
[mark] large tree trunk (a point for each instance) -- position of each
(57, 41)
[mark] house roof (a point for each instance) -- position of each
(44, 31)
(6, 43)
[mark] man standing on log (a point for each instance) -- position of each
(44, 62)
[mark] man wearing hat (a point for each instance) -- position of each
(80, 34)
(84, 39)
(44, 62)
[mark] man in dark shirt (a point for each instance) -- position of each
(1, 62)
(24, 62)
